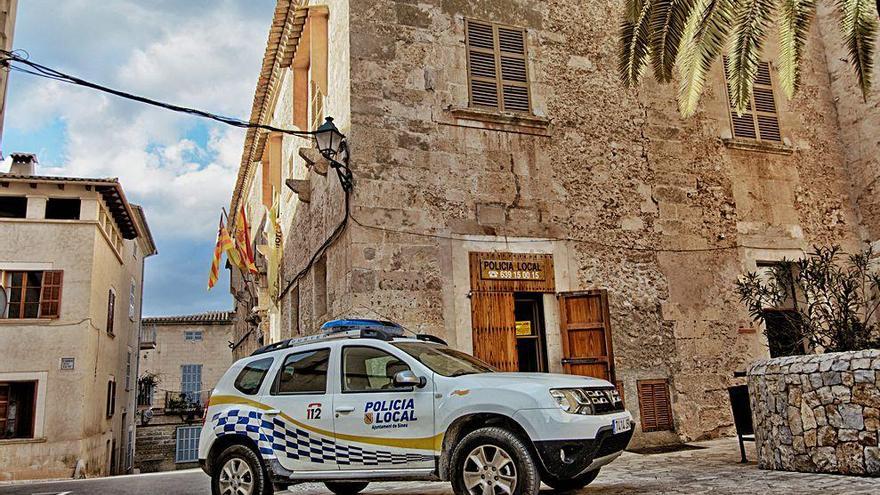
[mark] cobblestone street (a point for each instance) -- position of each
(711, 469)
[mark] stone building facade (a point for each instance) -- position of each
(583, 228)
(181, 360)
(72, 254)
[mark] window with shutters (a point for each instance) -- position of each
(497, 67)
(655, 407)
(32, 294)
(111, 310)
(187, 444)
(760, 120)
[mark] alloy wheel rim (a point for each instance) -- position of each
(489, 470)
(236, 478)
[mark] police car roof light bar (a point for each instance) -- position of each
(342, 329)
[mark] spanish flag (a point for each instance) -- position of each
(243, 241)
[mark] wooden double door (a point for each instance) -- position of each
(585, 332)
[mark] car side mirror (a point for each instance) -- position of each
(407, 378)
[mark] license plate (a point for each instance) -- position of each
(621, 425)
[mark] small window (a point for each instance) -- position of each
(367, 369)
(128, 371)
(193, 335)
(251, 376)
(111, 397)
(760, 120)
(132, 300)
(304, 373)
(187, 444)
(17, 400)
(320, 284)
(33, 294)
(655, 407)
(497, 67)
(111, 310)
(63, 208)
(13, 207)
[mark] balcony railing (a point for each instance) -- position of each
(186, 402)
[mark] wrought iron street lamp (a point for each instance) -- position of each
(334, 147)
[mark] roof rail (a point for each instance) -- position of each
(341, 329)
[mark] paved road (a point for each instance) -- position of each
(713, 467)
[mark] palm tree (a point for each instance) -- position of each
(689, 35)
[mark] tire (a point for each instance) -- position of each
(242, 462)
(567, 485)
(346, 487)
(506, 460)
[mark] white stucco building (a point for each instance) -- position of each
(72, 256)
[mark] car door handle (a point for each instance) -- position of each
(271, 412)
(344, 409)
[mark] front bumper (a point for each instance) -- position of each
(565, 459)
(571, 444)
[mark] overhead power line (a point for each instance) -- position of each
(17, 60)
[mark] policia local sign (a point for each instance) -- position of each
(500, 271)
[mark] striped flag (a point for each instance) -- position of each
(218, 253)
(243, 241)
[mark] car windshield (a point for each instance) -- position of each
(443, 360)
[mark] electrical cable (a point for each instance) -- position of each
(38, 70)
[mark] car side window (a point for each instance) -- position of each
(303, 373)
(251, 376)
(367, 369)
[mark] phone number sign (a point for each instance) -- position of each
(513, 269)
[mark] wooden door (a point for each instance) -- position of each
(494, 329)
(586, 334)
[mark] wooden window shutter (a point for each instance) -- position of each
(760, 120)
(497, 67)
(50, 297)
(494, 329)
(111, 310)
(655, 407)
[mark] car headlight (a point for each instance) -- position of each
(572, 400)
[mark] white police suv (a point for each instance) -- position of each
(362, 402)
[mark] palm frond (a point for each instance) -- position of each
(668, 21)
(704, 36)
(794, 24)
(751, 20)
(858, 22)
(634, 41)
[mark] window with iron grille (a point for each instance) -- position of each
(760, 120)
(192, 335)
(187, 444)
(32, 294)
(655, 408)
(497, 67)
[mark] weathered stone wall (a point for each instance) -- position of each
(656, 209)
(859, 121)
(818, 413)
(156, 444)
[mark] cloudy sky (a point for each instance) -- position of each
(198, 53)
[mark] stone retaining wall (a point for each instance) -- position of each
(818, 413)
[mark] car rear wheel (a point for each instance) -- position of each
(346, 487)
(239, 471)
(494, 461)
(576, 483)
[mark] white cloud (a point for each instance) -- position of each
(207, 58)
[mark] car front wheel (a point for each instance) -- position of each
(576, 483)
(239, 471)
(494, 461)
